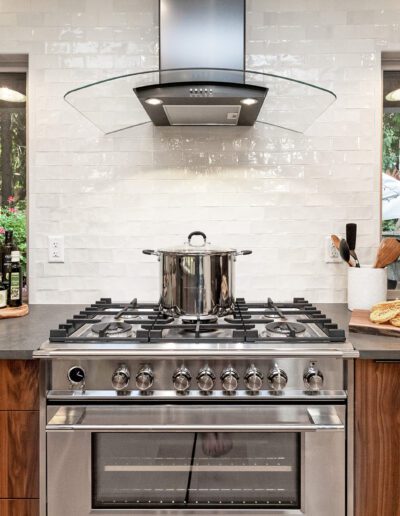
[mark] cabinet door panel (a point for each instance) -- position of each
(19, 454)
(377, 414)
(19, 507)
(19, 384)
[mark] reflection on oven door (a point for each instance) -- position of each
(196, 470)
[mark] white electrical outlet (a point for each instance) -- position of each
(331, 253)
(56, 249)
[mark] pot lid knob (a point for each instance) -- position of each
(197, 233)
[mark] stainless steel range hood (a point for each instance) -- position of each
(201, 79)
(202, 35)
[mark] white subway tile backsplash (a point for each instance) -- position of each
(260, 187)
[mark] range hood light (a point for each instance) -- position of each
(393, 96)
(154, 102)
(11, 95)
(249, 102)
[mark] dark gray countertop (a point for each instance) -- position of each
(369, 346)
(21, 336)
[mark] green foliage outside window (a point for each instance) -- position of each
(390, 157)
(13, 177)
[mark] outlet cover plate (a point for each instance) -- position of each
(56, 249)
(331, 253)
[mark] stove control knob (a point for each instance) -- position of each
(76, 376)
(313, 379)
(120, 378)
(181, 379)
(229, 379)
(277, 378)
(253, 379)
(144, 378)
(206, 379)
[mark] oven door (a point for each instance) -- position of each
(199, 459)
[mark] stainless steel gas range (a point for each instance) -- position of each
(146, 414)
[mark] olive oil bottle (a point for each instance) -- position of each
(6, 257)
(15, 286)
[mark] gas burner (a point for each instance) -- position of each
(285, 328)
(111, 328)
(129, 317)
(201, 324)
(272, 315)
(204, 319)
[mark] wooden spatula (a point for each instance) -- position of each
(388, 252)
(335, 241)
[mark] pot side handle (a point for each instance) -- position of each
(150, 251)
(246, 251)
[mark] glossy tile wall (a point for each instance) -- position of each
(261, 188)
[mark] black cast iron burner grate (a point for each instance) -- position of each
(149, 323)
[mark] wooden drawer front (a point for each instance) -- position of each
(19, 507)
(19, 384)
(19, 454)
(377, 439)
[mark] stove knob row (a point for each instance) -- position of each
(277, 378)
(313, 379)
(120, 378)
(181, 379)
(253, 378)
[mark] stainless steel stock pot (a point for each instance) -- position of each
(197, 280)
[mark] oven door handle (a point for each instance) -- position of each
(168, 418)
(197, 428)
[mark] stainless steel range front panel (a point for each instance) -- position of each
(173, 459)
(99, 372)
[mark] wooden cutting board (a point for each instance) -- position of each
(360, 323)
(8, 312)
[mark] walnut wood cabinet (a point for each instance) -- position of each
(377, 438)
(19, 438)
(19, 507)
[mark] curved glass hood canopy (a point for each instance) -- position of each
(200, 96)
(201, 79)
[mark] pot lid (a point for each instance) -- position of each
(199, 246)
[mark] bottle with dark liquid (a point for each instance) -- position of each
(15, 286)
(6, 259)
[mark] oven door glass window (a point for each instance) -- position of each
(196, 470)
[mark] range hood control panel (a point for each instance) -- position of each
(201, 91)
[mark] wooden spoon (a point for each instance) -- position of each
(335, 241)
(388, 252)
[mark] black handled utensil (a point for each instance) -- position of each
(345, 252)
(351, 237)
